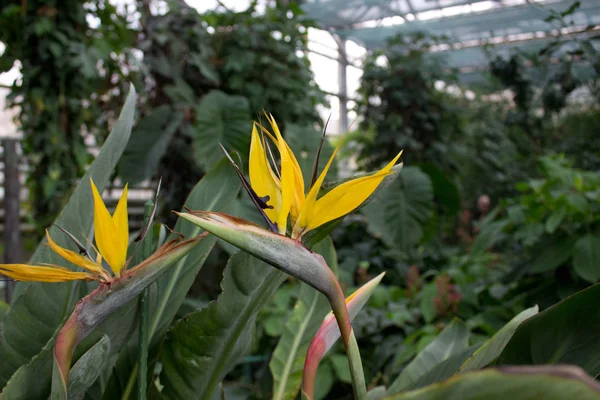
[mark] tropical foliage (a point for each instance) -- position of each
(469, 272)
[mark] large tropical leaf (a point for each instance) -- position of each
(454, 339)
(214, 192)
(565, 333)
(39, 308)
(402, 209)
(220, 118)
(200, 349)
(288, 358)
(524, 383)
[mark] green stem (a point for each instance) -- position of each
(356, 369)
(338, 305)
(144, 311)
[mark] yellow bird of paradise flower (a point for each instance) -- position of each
(284, 189)
(111, 233)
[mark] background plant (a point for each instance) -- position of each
(208, 76)
(71, 72)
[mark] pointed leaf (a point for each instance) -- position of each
(491, 348)
(452, 340)
(87, 369)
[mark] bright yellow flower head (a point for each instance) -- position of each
(112, 238)
(285, 191)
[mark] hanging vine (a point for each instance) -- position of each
(69, 54)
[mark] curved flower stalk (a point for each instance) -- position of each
(329, 333)
(279, 195)
(111, 233)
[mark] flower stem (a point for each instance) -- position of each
(340, 311)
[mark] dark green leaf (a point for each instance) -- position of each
(586, 258)
(491, 348)
(402, 209)
(555, 219)
(552, 255)
(221, 118)
(565, 333)
(149, 142)
(489, 235)
(454, 339)
(445, 191)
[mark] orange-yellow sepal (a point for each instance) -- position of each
(340, 201)
(111, 232)
(36, 273)
(75, 258)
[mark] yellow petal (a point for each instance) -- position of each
(262, 178)
(346, 197)
(34, 273)
(73, 257)
(298, 197)
(307, 211)
(121, 222)
(107, 235)
(288, 185)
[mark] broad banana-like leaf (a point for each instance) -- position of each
(202, 347)
(548, 382)
(38, 309)
(311, 307)
(214, 192)
(93, 309)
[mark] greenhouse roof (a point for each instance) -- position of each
(509, 24)
(371, 22)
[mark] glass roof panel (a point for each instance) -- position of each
(364, 21)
